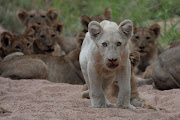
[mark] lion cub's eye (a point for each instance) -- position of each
(104, 44)
(42, 36)
(119, 44)
(43, 16)
(53, 35)
(31, 16)
(137, 37)
(17, 47)
(28, 44)
(147, 38)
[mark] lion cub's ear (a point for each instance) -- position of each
(6, 39)
(52, 14)
(29, 33)
(95, 30)
(134, 28)
(156, 29)
(22, 15)
(108, 14)
(59, 27)
(85, 20)
(126, 28)
(35, 27)
(80, 38)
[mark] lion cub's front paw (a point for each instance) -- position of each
(130, 107)
(99, 106)
(111, 105)
(127, 107)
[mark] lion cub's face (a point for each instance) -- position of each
(37, 16)
(17, 43)
(85, 20)
(144, 39)
(111, 39)
(46, 36)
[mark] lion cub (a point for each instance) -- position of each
(40, 17)
(165, 73)
(143, 41)
(113, 89)
(16, 43)
(104, 58)
(136, 100)
(85, 20)
(67, 44)
(63, 69)
(46, 39)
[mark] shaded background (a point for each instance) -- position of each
(141, 12)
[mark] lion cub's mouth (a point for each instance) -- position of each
(112, 65)
(49, 50)
(141, 51)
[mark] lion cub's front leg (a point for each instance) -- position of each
(123, 78)
(96, 92)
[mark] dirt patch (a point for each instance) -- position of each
(41, 100)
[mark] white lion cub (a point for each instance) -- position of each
(104, 58)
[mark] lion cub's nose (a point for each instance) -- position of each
(112, 60)
(141, 47)
(39, 23)
(49, 46)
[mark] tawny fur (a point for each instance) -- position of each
(16, 43)
(46, 18)
(85, 19)
(144, 41)
(67, 44)
(46, 39)
(164, 73)
(64, 69)
(41, 17)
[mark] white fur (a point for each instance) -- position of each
(94, 58)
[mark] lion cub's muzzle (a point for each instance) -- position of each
(112, 63)
(50, 49)
(142, 51)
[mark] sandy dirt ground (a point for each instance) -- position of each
(43, 100)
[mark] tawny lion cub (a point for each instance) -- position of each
(41, 17)
(46, 39)
(104, 58)
(144, 41)
(12, 43)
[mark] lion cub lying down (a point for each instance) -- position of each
(63, 69)
(46, 39)
(16, 43)
(46, 18)
(104, 58)
(166, 70)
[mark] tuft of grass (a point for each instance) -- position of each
(141, 12)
